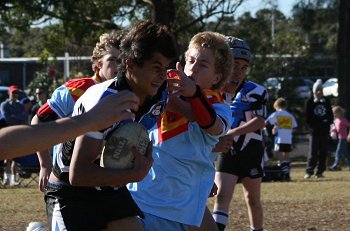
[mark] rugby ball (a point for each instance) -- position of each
(116, 153)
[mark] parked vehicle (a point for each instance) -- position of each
(303, 88)
(290, 87)
(330, 87)
(272, 85)
(3, 93)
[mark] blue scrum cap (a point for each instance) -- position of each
(240, 48)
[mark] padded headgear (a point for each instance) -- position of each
(239, 48)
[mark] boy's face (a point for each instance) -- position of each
(14, 95)
(319, 93)
(240, 68)
(108, 64)
(145, 80)
(200, 65)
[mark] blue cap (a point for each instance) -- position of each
(239, 48)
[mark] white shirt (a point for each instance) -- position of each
(284, 123)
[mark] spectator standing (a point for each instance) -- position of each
(341, 128)
(14, 113)
(243, 157)
(283, 123)
(41, 98)
(25, 100)
(319, 117)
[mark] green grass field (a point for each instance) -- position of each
(314, 204)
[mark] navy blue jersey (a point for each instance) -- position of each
(249, 101)
(147, 115)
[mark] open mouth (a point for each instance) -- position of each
(157, 85)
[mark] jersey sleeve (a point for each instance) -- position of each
(45, 113)
(223, 111)
(271, 120)
(61, 102)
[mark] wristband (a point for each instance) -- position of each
(203, 111)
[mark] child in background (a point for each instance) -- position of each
(341, 128)
(284, 123)
(242, 162)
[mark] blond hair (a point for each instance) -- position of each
(222, 54)
(280, 103)
(338, 110)
(105, 43)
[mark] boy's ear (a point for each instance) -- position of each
(217, 78)
(129, 64)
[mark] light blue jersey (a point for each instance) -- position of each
(182, 175)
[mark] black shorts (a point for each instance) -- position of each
(243, 163)
(86, 208)
(283, 147)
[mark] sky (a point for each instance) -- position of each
(285, 6)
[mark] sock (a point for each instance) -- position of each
(289, 167)
(221, 219)
(12, 177)
(6, 176)
(254, 229)
(285, 167)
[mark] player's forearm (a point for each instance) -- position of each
(251, 126)
(44, 159)
(40, 136)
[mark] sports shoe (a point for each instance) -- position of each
(14, 183)
(307, 176)
(334, 168)
(5, 182)
(320, 176)
(285, 178)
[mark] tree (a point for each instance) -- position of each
(343, 68)
(83, 21)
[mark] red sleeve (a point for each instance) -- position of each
(45, 113)
(202, 109)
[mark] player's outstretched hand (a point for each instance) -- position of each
(224, 144)
(142, 163)
(44, 175)
(113, 108)
(179, 83)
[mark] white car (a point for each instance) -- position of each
(330, 87)
(295, 87)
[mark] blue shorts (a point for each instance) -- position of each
(152, 223)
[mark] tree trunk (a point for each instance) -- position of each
(164, 12)
(343, 62)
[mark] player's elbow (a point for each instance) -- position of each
(75, 178)
(35, 120)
